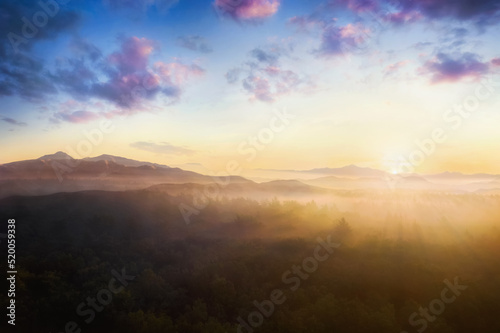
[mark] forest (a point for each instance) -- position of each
(99, 261)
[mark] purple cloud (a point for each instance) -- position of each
(444, 68)
(13, 121)
(264, 78)
(133, 55)
(77, 116)
(402, 17)
(478, 10)
(247, 10)
(481, 12)
(126, 78)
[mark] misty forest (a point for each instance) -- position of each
(206, 273)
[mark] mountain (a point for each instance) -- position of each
(57, 156)
(348, 171)
(412, 182)
(124, 161)
(447, 177)
(282, 189)
(60, 173)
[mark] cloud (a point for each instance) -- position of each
(74, 77)
(358, 6)
(25, 77)
(259, 87)
(247, 10)
(133, 55)
(342, 40)
(269, 57)
(495, 62)
(83, 48)
(77, 116)
(480, 11)
(233, 75)
(422, 45)
(402, 17)
(126, 78)
(177, 73)
(305, 23)
(445, 68)
(13, 121)
(263, 76)
(394, 68)
(137, 8)
(272, 82)
(336, 40)
(194, 43)
(162, 148)
(21, 72)
(14, 15)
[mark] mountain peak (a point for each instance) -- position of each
(60, 155)
(124, 161)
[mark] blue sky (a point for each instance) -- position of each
(189, 81)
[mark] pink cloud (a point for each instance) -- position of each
(248, 9)
(260, 88)
(177, 73)
(403, 17)
(495, 62)
(394, 68)
(272, 70)
(124, 83)
(342, 40)
(136, 81)
(359, 6)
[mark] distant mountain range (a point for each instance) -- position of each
(60, 172)
(124, 161)
(353, 171)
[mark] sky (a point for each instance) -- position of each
(272, 84)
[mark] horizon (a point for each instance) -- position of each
(186, 166)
